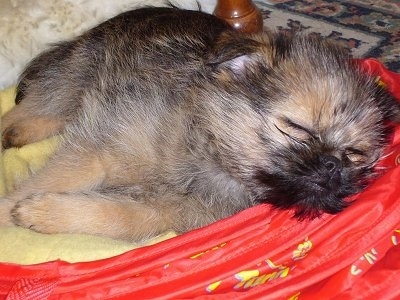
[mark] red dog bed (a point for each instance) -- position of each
(259, 253)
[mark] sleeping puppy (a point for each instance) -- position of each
(172, 120)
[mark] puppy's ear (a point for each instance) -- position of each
(234, 51)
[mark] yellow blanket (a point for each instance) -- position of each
(23, 246)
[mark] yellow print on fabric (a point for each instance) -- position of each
(204, 252)
(370, 257)
(252, 278)
(294, 297)
(213, 286)
(267, 272)
(302, 249)
(396, 237)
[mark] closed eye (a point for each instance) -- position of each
(295, 131)
(356, 156)
(301, 129)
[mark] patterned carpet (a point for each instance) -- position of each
(368, 28)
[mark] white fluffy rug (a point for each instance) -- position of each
(28, 27)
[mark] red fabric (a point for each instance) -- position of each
(258, 253)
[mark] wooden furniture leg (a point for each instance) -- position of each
(241, 14)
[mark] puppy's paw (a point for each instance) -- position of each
(14, 136)
(29, 130)
(38, 213)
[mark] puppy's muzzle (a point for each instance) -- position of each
(329, 172)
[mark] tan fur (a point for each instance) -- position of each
(52, 213)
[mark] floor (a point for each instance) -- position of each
(369, 28)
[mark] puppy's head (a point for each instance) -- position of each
(296, 121)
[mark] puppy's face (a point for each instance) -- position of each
(324, 139)
(308, 130)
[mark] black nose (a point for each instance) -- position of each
(331, 164)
